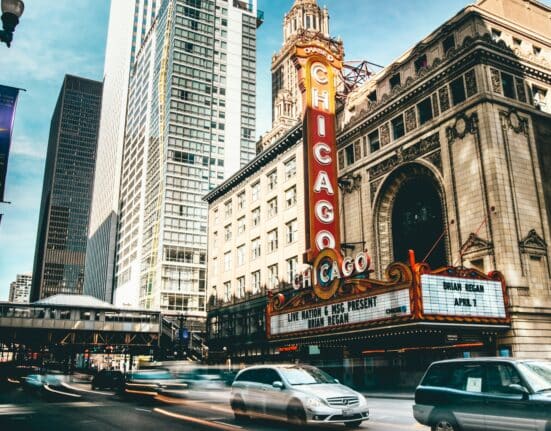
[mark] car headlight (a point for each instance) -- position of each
(362, 400)
(313, 402)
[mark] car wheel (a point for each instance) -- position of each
(238, 407)
(445, 422)
(94, 387)
(353, 424)
(295, 413)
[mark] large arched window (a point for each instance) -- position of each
(417, 222)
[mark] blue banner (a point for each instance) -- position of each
(8, 100)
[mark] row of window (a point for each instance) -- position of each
(452, 94)
(273, 281)
(272, 244)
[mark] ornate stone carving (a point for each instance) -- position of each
(411, 120)
(496, 81)
(470, 81)
(475, 244)
(436, 159)
(444, 98)
(341, 159)
(516, 122)
(435, 110)
(374, 186)
(533, 244)
(521, 91)
(357, 150)
(405, 155)
(462, 126)
(385, 134)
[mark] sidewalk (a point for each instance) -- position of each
(393, 395)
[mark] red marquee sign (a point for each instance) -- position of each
(318, 69)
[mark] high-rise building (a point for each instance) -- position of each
(20, 289)
(190, 123)
(67, 190)
(129, 22)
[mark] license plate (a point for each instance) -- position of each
(347, 412)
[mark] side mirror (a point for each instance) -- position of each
(519, 389)
(336, 380)
(277, 384)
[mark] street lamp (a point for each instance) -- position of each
(11, 12)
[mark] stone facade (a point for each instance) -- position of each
(483, 145)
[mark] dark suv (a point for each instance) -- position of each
(108, 379)
(497, 394)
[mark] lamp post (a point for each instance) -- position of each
(11, 12)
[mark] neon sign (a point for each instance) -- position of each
(317, 70)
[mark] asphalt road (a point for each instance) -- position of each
(75, 407)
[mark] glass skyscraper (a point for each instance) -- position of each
(67, 190)
(190, 123)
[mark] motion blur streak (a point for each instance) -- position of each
(68, 386)
(47, 387)
(216, 425)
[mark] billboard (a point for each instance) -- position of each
(8, 101)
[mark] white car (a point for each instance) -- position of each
(301, 394)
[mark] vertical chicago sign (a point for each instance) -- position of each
(317, 70)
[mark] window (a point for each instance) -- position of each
(374, 143)
(420, 63)
(256, 216)
(241, 255)
(272, 180)
(227, 261)
(272, 207)
(227, 232)
(394, 81)
(241, 225)
(349, 154)
(425, 110)
(290, 168)
(291, 197)
(291, 231)
(508, 85)
(372, 96)
(241, 200)
(227, 209)
(458, 91)
(272, 240)
(227, 291)
(255, 248)
(241, 287)
(255, 191)
(398, 127)
(273, 280)
(499, 377)
(255, 282)
(448, 43)
(496, 34)
(292, 265)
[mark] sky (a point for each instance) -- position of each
(61, 37)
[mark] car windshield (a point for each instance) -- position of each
(306, 376)
(538, 375)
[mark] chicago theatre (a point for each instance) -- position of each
(396, 219)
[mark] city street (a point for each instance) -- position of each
(75, 407)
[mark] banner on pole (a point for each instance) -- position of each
(8, 101)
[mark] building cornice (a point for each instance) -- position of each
(270, 153)
(481, 48)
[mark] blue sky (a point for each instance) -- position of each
(68, 36)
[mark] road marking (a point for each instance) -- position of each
(15, 381)
(219, 425)
(142, 410)
(86, 390)
(47, 387)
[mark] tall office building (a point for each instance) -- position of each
(129, 22)
(20, 289)
(190, 124)
(67, 190)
